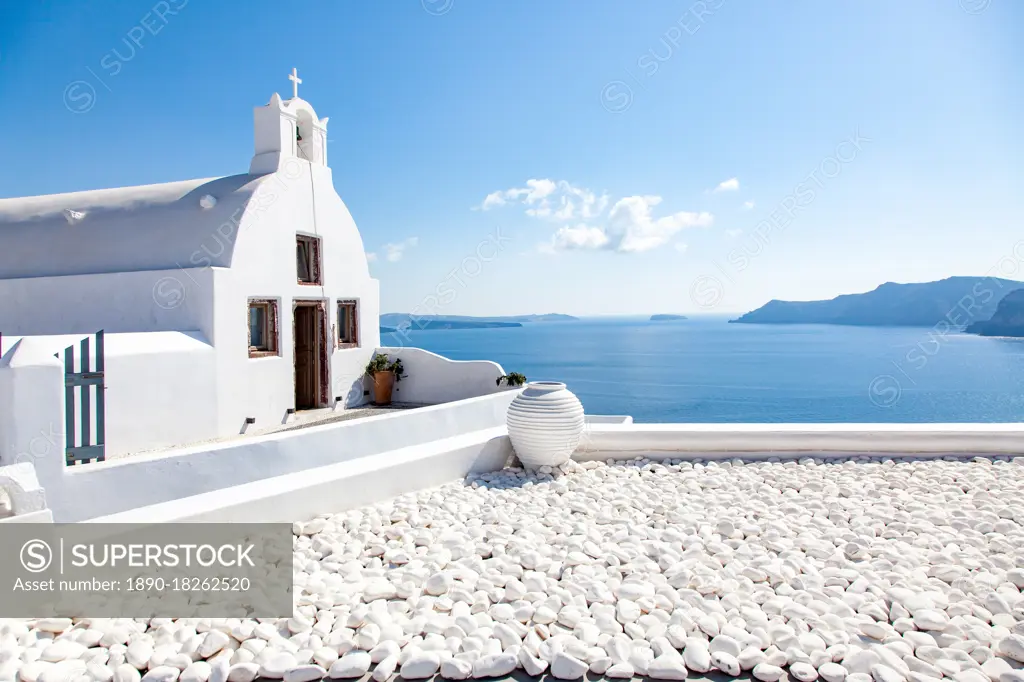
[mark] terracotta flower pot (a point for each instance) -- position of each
(383, 384)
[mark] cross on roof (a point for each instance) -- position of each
(294, 78)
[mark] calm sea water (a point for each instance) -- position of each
(705, 370)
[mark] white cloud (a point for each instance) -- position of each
(630, 228)
(681, 247)
(633, 229)
(493, 199)
(371, 257)
(582, 237)
(748, 205)
(535, 190)
(589, 225)
(730, 185)
(394, 252)
(550, 200)
(732, 234)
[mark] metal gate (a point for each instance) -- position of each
(85, 437)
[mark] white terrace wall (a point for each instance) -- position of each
(162, 391)
(336, 487)
(432, 379)
(790, 441)
(91, 490)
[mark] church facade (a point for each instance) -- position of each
(225, 302)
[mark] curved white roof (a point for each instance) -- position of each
(150, 227)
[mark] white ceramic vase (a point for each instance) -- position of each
(545, 422)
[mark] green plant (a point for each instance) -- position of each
(511, 379)
(381, 363)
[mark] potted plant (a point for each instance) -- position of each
(512, 379)
(384, 373)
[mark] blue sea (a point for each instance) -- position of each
(705, 370)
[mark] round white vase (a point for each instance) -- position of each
(545, 422)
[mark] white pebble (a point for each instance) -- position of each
(804, 672)
(495, 665)
(832, 672)
(161, 673)
(305, 673)
(620, 671)
(199, 671)
(385, 668)
(566, 667)
(242, 672)
(438, 584)
(420, 665)
(767, 672)
(126, 673)
(726, 644)
(667, 667)
(531, 664)
(725, 662)
(62, 650)
(352, 664)
(1012, 647)
(696, 656)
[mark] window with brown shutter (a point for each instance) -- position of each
(262, 328)
(348, 324)
(307, 259)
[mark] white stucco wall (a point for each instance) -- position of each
(432, 379)
(141, 301)
(264, 267)
(176, 403)
(32, 409)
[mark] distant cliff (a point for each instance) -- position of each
(666, 317)
(392, 322)
(1008, 319)
(956, 300)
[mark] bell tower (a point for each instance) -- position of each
(287, 129)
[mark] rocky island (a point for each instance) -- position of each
(958, 301)
(393, 322)
(666, 317)
(1008, 320)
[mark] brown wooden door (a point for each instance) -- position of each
(305, 357)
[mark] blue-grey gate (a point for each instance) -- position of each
(84, 444)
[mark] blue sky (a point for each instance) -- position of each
(604, 158)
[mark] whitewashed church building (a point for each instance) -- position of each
(226, 302)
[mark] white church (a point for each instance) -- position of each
(226, 303)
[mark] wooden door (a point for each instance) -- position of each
(305, 357)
